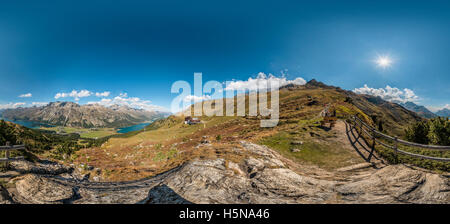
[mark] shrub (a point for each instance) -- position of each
(439, 131)
(435, 131)
(418, 133)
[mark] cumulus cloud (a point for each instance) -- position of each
(133, 102)
(104, 94)
(11, 105)
(262, 82)
(38, 104)
(391, 94)
(191, 98)
(75, 94)
(25, 95)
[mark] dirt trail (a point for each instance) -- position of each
(351, 141)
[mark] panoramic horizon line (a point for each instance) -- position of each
(390, 94)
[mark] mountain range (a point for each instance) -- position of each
(443, 113)
(84, 116)
(424, 112)
(420, 110)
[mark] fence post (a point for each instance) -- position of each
(354, 123)
(373, 145)
(7, 154)
(396, 148)
(360, 127)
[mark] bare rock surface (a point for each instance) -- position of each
(36, 189)
(398, 184)
(42, 167)
(262, 177)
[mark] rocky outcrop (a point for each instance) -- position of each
(32, 188)
(262, 176)
(267, 180)
(397, 184)
(42, 167)
(214, 182)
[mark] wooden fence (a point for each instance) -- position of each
(8, 148)
(376, 135)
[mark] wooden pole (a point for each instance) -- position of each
(360, 128)
(7, 155)
(373, 145)
(396, 149)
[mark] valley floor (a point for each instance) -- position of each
(83, 132)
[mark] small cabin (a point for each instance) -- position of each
(191, 120)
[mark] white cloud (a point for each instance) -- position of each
(389, 94)
(262, 82)
(104, 94)
(38, 104)
(75, 94)
(11, 105)
(25, 95)
(191, 98)
(133, 102)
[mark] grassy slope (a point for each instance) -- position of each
(37, 142)
(169, 142)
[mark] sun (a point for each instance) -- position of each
(383, 61)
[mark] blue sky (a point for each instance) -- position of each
(138, 49)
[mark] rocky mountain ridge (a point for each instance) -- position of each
(85, 116)
(443, 113)
(420, 110)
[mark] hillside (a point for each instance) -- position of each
(169, 142)
(85, 116)
(38, 142)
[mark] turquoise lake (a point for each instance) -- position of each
(28, 124)
(132, 128)
(31, 124)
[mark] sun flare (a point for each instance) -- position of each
(384, 61)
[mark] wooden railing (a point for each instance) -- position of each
(8, 148)
(376, 135)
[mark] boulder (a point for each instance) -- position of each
(36, 189)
